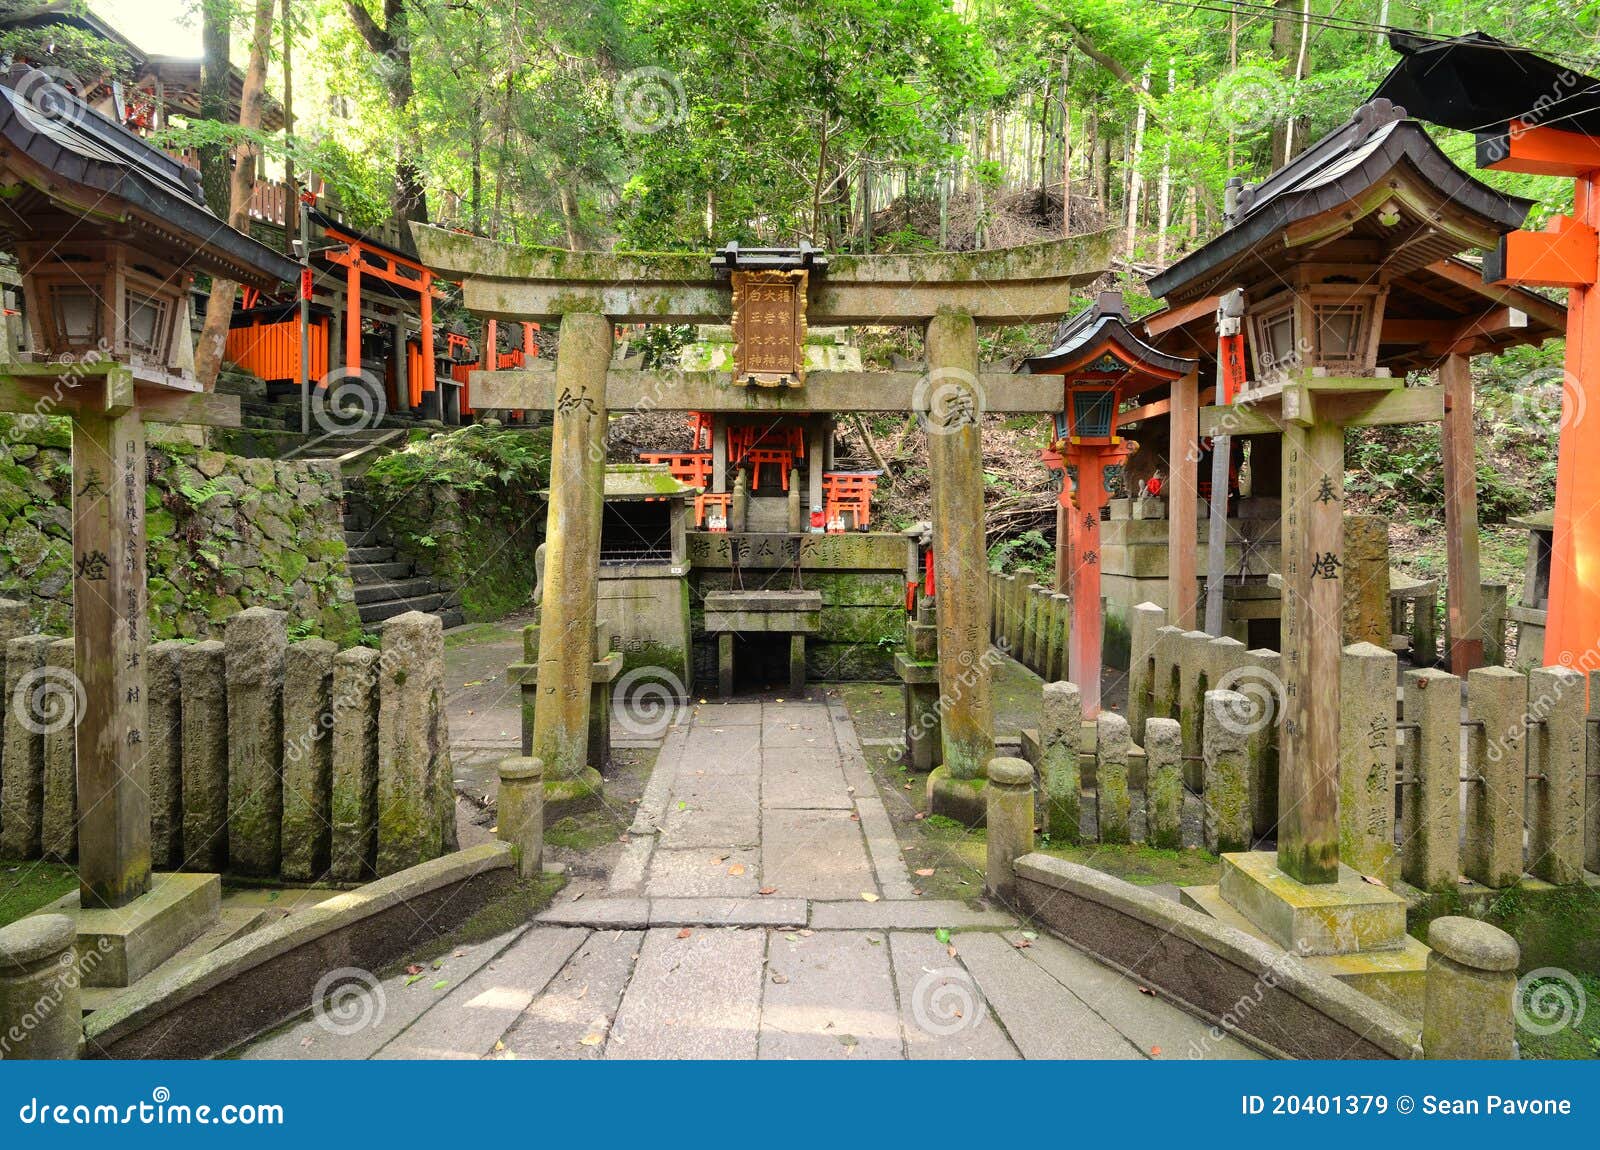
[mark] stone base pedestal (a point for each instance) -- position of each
(1394, 977)
(960, 799)
(1343, 917)
(119, 947)
(563, 797)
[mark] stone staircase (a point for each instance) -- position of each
(387, 583)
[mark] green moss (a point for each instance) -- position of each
(27, 886)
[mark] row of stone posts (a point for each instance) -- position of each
(264, 757)
(1031, 623)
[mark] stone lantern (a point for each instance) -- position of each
(1327, 324)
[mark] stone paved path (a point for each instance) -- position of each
(761, 909)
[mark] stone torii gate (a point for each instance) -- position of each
(947, 294)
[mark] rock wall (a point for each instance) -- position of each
(225, 533)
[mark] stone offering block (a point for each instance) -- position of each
(1343, 917)
(763, 612)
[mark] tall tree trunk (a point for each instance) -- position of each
(219, 309)
(1164, 212)
(291, 207)
(1066, 146)
(392, 42)
(216, 17)
(1136, 177)
(1299, 71)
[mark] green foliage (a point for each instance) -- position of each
(1030, 551)
(468, 459)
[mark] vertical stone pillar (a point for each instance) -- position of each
(1193, 650)
(1060, 615)
(308, 759)
(1494, 624)
(519, 812)
(1060, 733)
(1183, 502)
(1469, 997)
(1369, 677)
(1497, 711)
(1313, 602)
(1032, 626)
(1008, 822)
(60, 827)
(725, 664)
(1431, 806)
(354, 765)
(1226, 792)
(1015, 586)
(1143, 620)
(1591, 772)
(739, 505)
(164, 749)
(1425, 630)
(572, 563)
(203, 675)
(920, 673)
(955, 464)
(529, 688)
(1366, 580)
(109, 628)
(1261, 745)
(256, 641)
(1556, 756)
(416, 791)
(37, 701)
(1113, 803)
(1163, 751)
(1164, 688)
(41, 1012)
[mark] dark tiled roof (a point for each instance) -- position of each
(1095, 329)
(1333, 171)
(78, 146)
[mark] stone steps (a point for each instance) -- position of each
(380, 590)
(377, 612)
(364, 555)
(384, 572)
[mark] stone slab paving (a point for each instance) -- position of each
(681, 955)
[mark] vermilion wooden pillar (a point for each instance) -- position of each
(1085, 642)
(1567, 254)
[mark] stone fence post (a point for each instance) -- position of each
(1143, 620)
(1367, 675)
(41, 1012)
(32, 702)
(1557, 756)
(520, 811)
(1497, 715)
(163, 741)
(255, 641)
(416, 795)
(1163, 756)
(1060, 731)
(1008, 822)
(203, 675)
(1430, 805)
(354, 799)
(308, 759)
(1113, 803)
(1494, 624)
(60, 825)
(1470, 993)
(1058, 613)
(1226, 790)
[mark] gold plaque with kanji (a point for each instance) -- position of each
(769, 328)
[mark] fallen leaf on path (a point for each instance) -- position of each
(579, 895)
(685, 932)
(942, 934)
(413, 969)
(780, 979)
(1147, 990)
(1156, 1050)
(920, 815)
(736, 869)
(592, 1039)
(869, 896)
(768, 890)
(925, 871)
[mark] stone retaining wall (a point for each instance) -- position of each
(225, 533)
(267, 758)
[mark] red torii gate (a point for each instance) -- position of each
(1102, 364)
